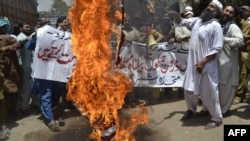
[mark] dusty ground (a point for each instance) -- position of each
(164, 123)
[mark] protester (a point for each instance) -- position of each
(188, 9)
(229, 58)
(10, 69)
(62, 23)
(130, 31)
(9, 77)
(148, 31)
(183, 34)
(246, 12)
(31, 44)
(201, 77)
(25, 61)
(166, 28)
(244, 64)
(50, 87)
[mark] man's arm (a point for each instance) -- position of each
(200, 65)
(13, 44)
(234, 37)
(180, 36)
(176, 16)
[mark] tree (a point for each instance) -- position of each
(59, 6)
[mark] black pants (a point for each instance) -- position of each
(11, 104)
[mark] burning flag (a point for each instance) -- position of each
(95, 86)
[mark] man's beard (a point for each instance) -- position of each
(27, 33)
(166, 21)
(224, 19)
(206, 15)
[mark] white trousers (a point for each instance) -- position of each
(210, 97)
(191, 100)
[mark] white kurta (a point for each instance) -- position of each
(206, 39)
(180, 33)
(229, 66)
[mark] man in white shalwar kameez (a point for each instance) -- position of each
(229, 58)
(201, 76)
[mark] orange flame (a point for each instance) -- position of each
(95, 86)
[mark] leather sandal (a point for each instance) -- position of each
(4, 136)
(187, 115)
(54, 127)
(213, 124)
(226, 114)
(61, 122)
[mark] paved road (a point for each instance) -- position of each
(164, 123)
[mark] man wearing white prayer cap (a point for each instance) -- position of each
(188, 9)
(201, 76)
(219, 4)
(213, 10)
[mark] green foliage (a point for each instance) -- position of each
(59, 6)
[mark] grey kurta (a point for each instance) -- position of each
(26, 61)
(229, 57)
(229, 66)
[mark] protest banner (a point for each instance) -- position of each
(163, 65)
(53, 59)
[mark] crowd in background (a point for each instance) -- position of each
(20, 94)
(229, 83)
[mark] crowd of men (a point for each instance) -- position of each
(21, 93)
(217, 64)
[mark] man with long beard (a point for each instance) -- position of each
(229, 58)
(201, 76)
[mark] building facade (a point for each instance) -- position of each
(19, 10)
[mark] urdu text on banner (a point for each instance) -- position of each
(53, 59)
(163, 65)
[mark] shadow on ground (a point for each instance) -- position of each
(76, 129)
